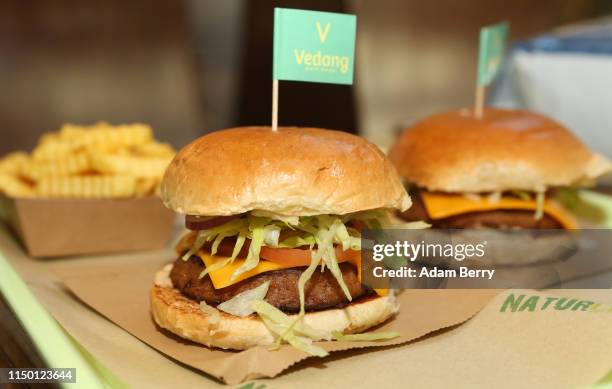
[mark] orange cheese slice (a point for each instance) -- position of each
(442, 205)
(222, 278)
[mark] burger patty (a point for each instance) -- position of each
(497, 219)
(321, 291)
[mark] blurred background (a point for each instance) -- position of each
(193, 66)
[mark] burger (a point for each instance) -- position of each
(272, 253)
(505, 170)
(505, 178)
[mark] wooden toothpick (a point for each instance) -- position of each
(479, 101)
(274, 105)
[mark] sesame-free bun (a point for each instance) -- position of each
(293, 172)
(182, 316)
(504, 150)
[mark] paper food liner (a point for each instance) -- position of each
(121, 294)
(535, 345)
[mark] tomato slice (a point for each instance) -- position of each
(286, 256)
(302, 257)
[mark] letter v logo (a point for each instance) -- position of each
(323, 32)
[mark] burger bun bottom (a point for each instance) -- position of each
(183, 317)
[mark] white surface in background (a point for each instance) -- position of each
(573, 88)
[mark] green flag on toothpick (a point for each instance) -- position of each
(491, 52)
(313, 46)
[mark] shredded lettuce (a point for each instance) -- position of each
(494, 197)
(213, 314)
(271, 235)
(418, 225)
(216, 243)
(369, 215)
(295, 332)
(331, 230)
(269, 231)
(322, 233)
(305, 276)
(278, 316)
(521, 194)
(257, 228)
(365, 337)
(325, 244)
(307, 224)
(288, 220)
(472, 196)
(240, 239)
(240, 305)
(343, 235)
(299, 342)
(197, 245)
(215, 266)
(568, 197)
(298, 241)
(225, 230)
(539, 205)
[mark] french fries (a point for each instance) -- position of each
(62, 166)
(128, 164)
(87, 186)
(13, 162)
(146, 187)
(99, 161)
(153, 150)
(12, 186)
(100, 137)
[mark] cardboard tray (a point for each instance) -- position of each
(65, 227)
